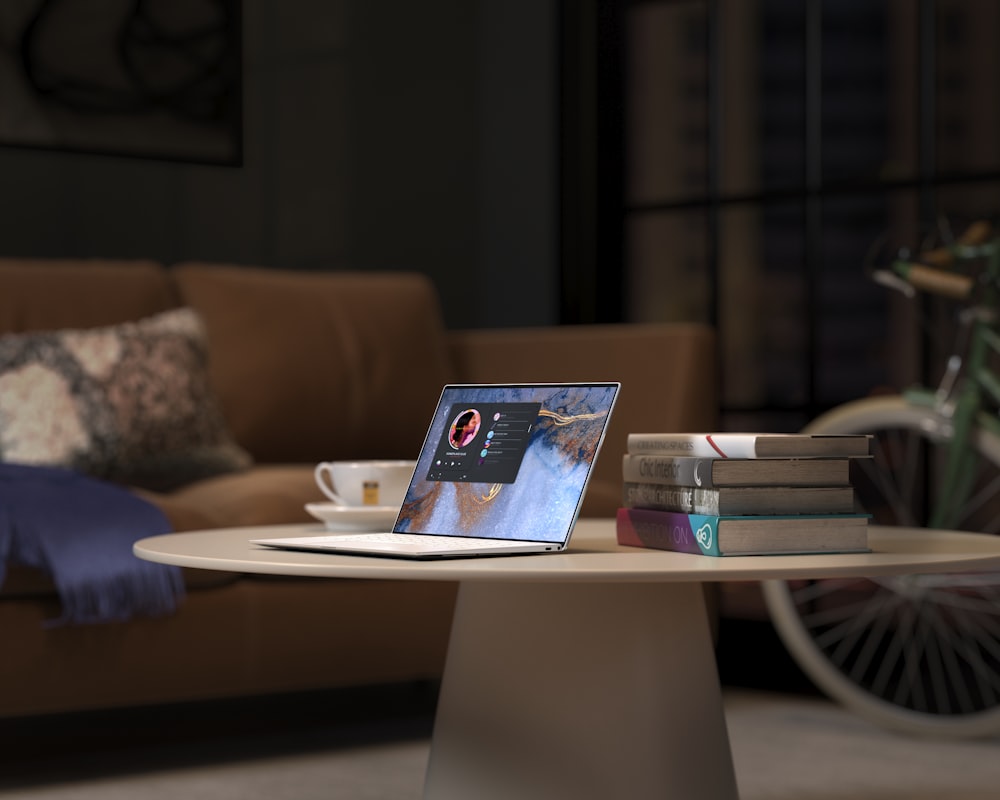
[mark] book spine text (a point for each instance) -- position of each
(665, 530)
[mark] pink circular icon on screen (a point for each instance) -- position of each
(465, 427)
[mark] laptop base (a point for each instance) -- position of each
(428, 547)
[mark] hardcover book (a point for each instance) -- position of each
(741, 535)
(749, 445)
(709, 472)
(728, 500)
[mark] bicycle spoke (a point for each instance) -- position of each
(987, 641)
(890, 659)
(867, 620)
(937, 670)
(909, 687)
(851, 618)
(966, 605)
(904, 640)
(869, 650)
(854, 630)
(983, 582)
(806, 595)
(985, 678)
(978, 501)
(847, 613)
(956, 680)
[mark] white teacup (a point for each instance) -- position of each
(365, 483)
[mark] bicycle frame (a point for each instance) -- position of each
(960, 398)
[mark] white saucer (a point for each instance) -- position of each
(354, 518)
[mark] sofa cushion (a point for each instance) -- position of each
(311, 366)
(48, 294)
(129, 403)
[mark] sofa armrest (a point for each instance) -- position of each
(668, 373)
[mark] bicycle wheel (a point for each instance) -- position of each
(916, 653)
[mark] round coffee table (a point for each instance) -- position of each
(584, 674)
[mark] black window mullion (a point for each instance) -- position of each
(813, 184)
(713, 168)
(927, 106)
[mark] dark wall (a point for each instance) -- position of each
(378, 134)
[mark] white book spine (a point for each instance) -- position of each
(730, 445)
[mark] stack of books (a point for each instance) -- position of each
(724, 494)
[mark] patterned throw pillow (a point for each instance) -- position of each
(129, 403)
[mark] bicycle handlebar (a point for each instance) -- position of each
(976, 234)
(929, 270)
(934, 280)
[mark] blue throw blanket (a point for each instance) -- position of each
(80, 531)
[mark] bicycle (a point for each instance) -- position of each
(918, 654)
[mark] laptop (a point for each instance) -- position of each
(503, 470)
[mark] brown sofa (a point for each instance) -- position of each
(301, 364)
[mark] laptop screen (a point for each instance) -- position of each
(507, 462)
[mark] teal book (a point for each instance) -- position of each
(710, 535)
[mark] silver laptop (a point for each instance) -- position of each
(503, 469)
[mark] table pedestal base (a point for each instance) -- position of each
(592, 690)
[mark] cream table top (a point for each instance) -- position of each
(593, 556)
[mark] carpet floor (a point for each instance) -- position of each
(785, 747)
